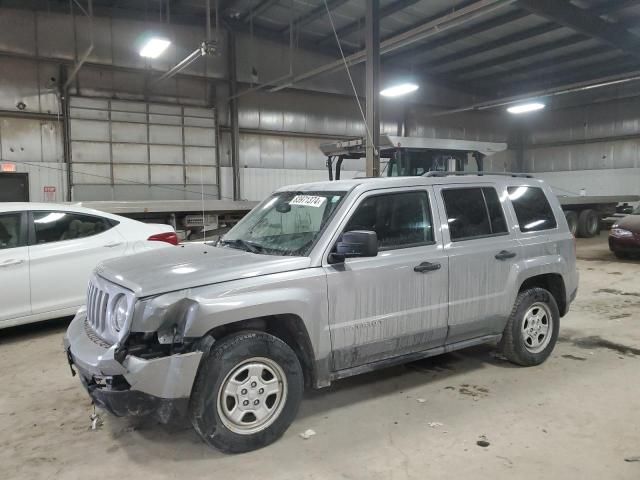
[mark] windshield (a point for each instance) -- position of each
(287, 223)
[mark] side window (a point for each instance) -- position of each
(532, 209)
(473, 212)
(399, 219)
(51, 226)
(11, 234)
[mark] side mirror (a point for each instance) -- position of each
(358, 243)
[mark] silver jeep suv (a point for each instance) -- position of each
(320, 282)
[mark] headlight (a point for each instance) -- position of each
(621, 232)
(120, 311)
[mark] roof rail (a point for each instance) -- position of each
(479, 174)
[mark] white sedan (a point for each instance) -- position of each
(48, 251)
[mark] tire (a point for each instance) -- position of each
(572, 221)
(515, 343)
(588, 223)
(621, 255)
(243, 364)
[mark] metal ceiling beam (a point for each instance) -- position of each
(609, 6)
(580, 74)
(356, 25)
(612, 6)
(518, 55)
(405, 39)
(314, 14)
(485, 47)
(532, 67)
(607, 81)
(585, 22)
(258, 10)
(407, 56)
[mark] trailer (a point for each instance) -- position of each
(413, 156)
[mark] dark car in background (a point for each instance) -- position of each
(624, 236)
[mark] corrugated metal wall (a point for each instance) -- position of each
(595, 147)
(280, 132)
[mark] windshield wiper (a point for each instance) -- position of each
(243, 244)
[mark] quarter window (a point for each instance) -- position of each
(11, 235)
(52, 226)
(399, 219)
(473, 213)
(532, 209)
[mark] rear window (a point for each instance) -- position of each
(52, 226)
(532, 209)
(473, 213)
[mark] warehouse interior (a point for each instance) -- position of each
(236, 107)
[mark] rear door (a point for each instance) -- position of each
(14, 266)
(395, 303)
(64, 249)
(483, 250)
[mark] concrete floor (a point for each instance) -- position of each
(576, 416)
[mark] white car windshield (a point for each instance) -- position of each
(287, 223)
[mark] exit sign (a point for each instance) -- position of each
(7, 167)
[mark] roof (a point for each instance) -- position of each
(391, 182)
(33, 206)
(502, 48)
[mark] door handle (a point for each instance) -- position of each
(112, 244)
(10, 263)
(505, 255)
(426, 267)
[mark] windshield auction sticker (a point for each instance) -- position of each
(308, 201)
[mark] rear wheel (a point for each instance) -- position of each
(572, 221)
(588, 223)
(247, 392)
(532, 330)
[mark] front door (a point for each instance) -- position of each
(395, 303)
(483, 252)
(14, 266)
(65, 248)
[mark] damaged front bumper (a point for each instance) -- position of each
(159, 386)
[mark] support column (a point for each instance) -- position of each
(372, 20)
(233, 113)
(63, 95)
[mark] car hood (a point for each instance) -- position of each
(188, 266)
(630, 222)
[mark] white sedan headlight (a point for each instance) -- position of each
(120, 312)
(621, 232)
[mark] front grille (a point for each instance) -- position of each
(93, 336)
(97, 304)
(101, 296)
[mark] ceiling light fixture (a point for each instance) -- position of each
(526, 107)
(398, 90)
(154, 47)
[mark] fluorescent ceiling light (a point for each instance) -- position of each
(398, 90)
(154, 47)
(526, 107)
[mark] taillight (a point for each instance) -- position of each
(169, 237)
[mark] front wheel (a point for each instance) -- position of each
(247, 392)
(532, 330)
